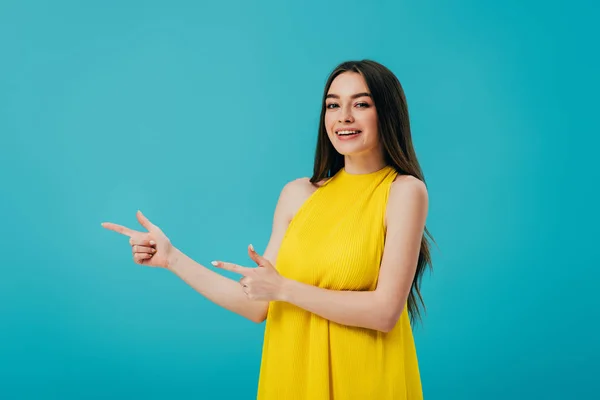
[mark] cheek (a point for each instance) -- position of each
(372, 119)
(329, 121)
(369, 121)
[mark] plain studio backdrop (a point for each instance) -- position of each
(198, 114)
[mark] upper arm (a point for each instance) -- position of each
(406, 213)
(281, 219)
(291, 197)
(284, 211)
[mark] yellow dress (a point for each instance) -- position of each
(335, 241)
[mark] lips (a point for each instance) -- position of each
(346, 135)
(347, 132)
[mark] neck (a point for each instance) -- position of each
(358, 165)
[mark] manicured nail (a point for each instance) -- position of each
(251, 247)
(215, 263)
(152, 242)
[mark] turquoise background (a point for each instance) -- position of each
(198, 114)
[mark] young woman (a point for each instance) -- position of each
(338, 283)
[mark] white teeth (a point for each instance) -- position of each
(347, 132)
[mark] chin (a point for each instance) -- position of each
(350, 150)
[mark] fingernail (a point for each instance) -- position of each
(251, 247)
(152, 242)
(215, 263)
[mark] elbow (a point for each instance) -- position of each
(259, 317)
(389, 320)
(386, 326)
(255, 311)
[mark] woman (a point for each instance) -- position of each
(338, 283)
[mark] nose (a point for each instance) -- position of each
(346, 115)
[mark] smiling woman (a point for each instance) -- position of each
(338, 283)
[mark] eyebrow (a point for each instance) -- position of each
(354, 96)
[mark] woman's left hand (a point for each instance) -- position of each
(260, 283)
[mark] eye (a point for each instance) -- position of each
(362, 105)
(331, 105)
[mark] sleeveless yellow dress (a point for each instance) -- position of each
(336, 241)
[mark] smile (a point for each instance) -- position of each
(348, 132)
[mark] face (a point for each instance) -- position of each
(350, 115)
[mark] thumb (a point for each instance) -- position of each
(257, 258)
(145, 222)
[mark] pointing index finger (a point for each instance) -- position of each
(231, 267)
(119, 229)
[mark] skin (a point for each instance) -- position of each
(406, 214)
(364, 153)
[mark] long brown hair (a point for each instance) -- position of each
(394, 132)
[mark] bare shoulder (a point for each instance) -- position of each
(407, 195)
(291, 198)
(408, 185)
(301, 187)
(296, 192)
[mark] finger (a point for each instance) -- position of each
(141, 242)
(231, 267)
(143, 249)
(145, 222)
(119, 229)
(257, 258)
(244, 284)
(245, 281)
(139, 257)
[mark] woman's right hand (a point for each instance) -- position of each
(152, 248)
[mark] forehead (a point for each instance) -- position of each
(348, 83)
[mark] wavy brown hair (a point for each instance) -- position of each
(394, 133)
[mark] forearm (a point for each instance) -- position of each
(364, 309)
(217, 288)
